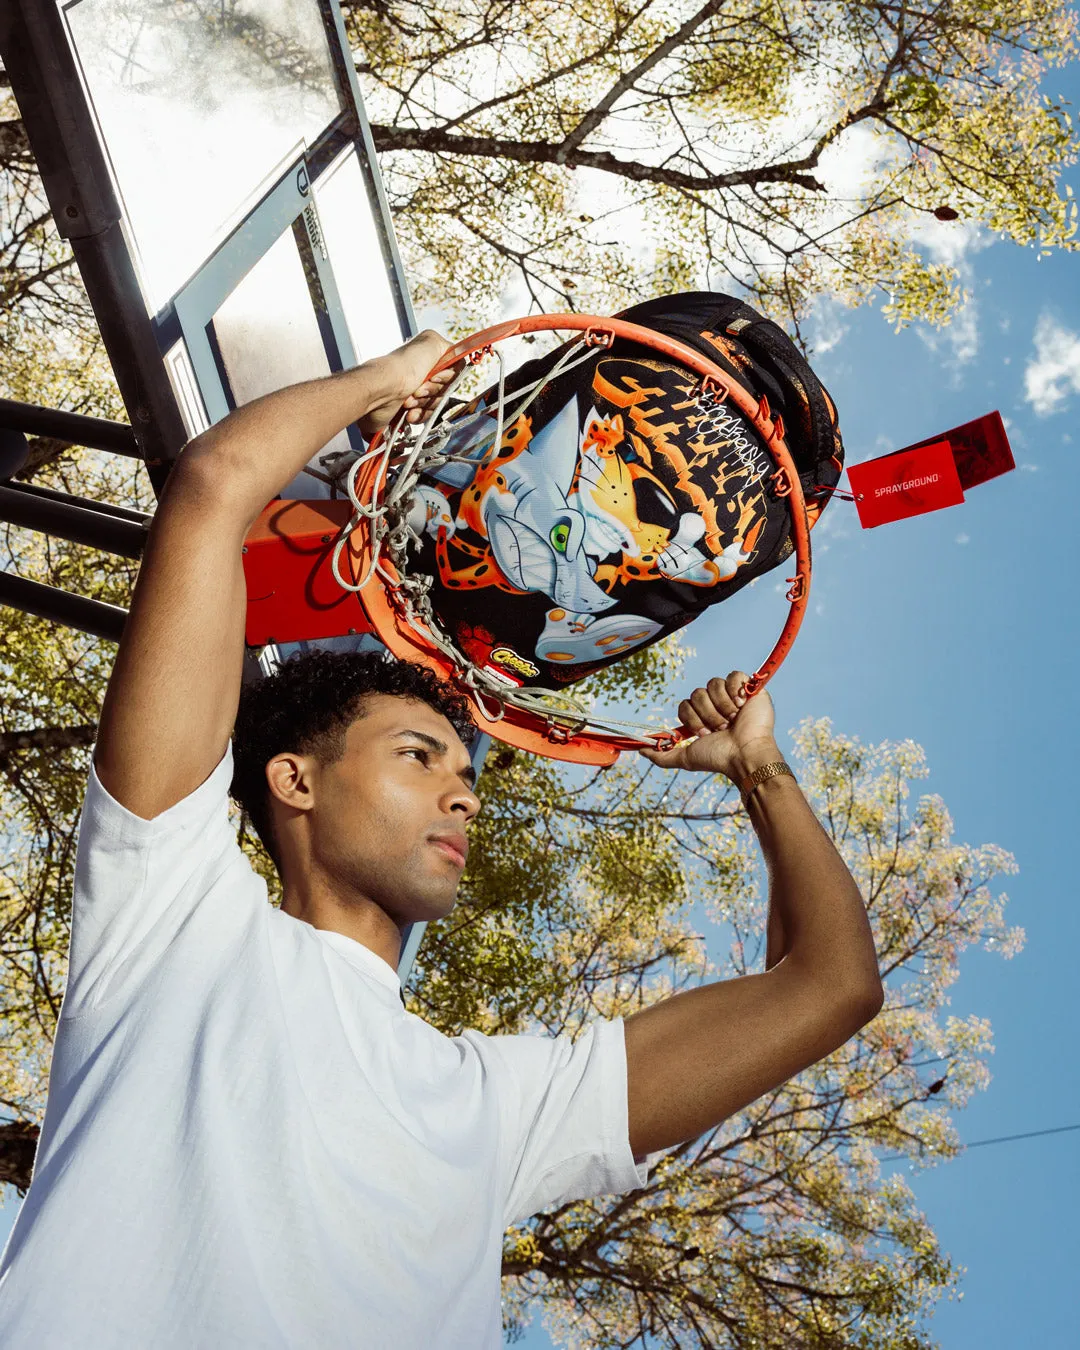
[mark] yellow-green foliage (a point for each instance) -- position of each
(584, 155)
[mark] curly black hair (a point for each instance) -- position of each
(308, 705)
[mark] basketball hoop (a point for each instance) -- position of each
(370, 555)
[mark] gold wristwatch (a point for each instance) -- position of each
(751, 781)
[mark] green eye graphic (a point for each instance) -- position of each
(560, 536)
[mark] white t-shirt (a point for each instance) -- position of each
(250, 1143)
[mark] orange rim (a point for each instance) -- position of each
(520, 728)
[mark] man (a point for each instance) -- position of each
(248, 1141)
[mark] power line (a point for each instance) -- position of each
(1030, 1134)
(1001, 1139)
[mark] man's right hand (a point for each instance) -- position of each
(403, 373)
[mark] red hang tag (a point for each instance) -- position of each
(980, 449)
(905, 483)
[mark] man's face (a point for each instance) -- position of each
(391, 814)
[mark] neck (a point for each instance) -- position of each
(313, 901)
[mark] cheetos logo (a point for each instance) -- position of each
(509, 660)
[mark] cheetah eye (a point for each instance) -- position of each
(560, 536)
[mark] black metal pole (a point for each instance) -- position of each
(73, 611)
(60, 126)
(74, 523)
(88, 503)
(95, 432)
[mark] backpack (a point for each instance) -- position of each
(625, 500)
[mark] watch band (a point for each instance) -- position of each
(747, 786)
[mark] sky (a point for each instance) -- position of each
(958, 630)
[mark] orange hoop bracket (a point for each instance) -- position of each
(518, 728)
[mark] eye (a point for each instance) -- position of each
(560, 536)
(421, 755)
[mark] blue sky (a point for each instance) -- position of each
(957, 629)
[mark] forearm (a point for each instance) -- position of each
(261, 446)
(817, 919)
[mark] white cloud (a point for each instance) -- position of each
(963, 333)
(963, 538)
(951, 242)
(826, 328)
(954, 244)
(1053, 372)
(958, 340)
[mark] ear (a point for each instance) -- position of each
(290, 778)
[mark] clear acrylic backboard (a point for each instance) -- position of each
(201, 105)
(250, 203)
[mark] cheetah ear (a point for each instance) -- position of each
(554, 450)
(593, 420)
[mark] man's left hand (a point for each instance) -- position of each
(733, 734)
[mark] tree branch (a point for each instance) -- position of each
(595, 116)
(434, 140)
(18, 1144)
(42, 450)
(47, 738)
(14, 143)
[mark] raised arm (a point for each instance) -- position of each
(700, 1056)
(172, 697)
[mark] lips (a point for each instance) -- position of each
(455, 846)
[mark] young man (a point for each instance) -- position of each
(248, 1141)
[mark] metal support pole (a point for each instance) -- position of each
(95, 432)
(74, 611)
(103, 508)
(44, 79)
(74, 523)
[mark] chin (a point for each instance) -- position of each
(424, 908)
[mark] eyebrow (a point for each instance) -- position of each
(468, 774)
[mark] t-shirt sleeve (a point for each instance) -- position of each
(563, 1106)
(138, 881)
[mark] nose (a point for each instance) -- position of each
(461, 801)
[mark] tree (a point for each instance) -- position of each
(600, 152)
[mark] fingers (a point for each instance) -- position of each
(430, 389)
(665, 759)
(689, 718)
(422, 400)
(716, 706)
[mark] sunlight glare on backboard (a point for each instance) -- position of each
(200, 103)
(356, 256)
(268, 336)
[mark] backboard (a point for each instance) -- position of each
(210, 163)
